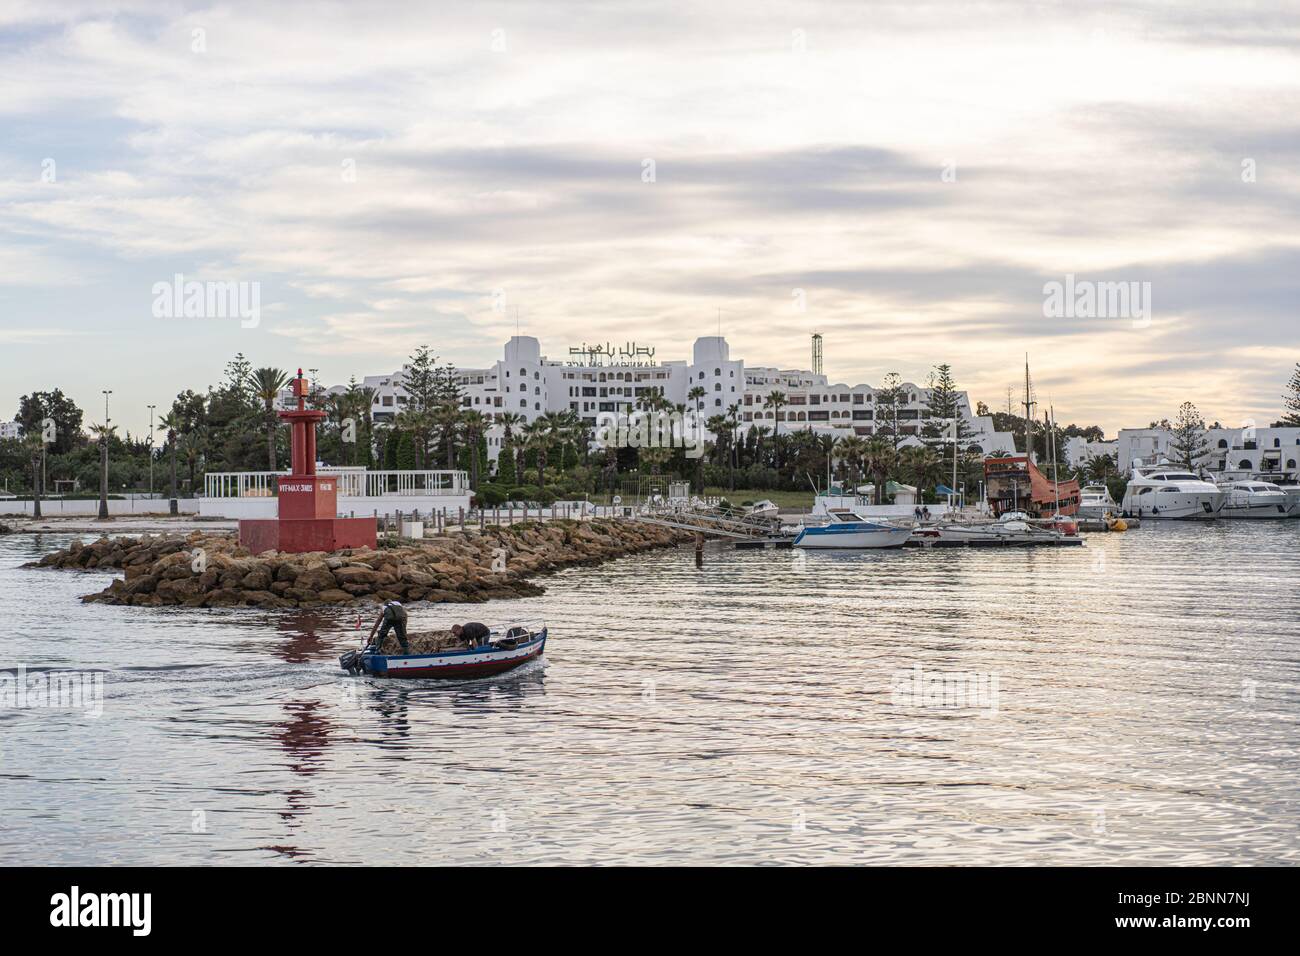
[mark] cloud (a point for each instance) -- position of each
(918, 172)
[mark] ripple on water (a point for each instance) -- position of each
(749, 711)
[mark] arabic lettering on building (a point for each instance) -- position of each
(629, 354)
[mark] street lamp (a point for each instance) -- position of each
(103, 451)
(151, 408)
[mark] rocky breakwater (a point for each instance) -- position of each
(212, 570)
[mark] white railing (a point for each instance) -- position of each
(352, 483)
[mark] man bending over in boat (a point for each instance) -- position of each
(392, 617)
(473, 633)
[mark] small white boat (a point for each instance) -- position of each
(1254, 499)
(1012, 527)
(1095, 502)
(853, 531)
(763, 509)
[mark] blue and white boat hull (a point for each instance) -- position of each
(853, 534)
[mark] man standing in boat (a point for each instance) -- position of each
(392, 617)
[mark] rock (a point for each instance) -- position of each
(314, 579)
(175, 590)
(258, 579)
(334, 596)
(350, 574)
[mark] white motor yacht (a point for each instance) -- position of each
(1254, 499)
(1172, 492)
(848, 529)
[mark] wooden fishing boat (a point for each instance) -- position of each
(507, 647)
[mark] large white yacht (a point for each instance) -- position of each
(1172, 492)
(1254, 499)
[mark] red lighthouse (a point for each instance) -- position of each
(308, 503)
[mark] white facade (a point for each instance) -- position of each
(1236, 452)
(1079, 452)
(527, 383)
(10, 430)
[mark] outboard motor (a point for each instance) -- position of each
(351, 662)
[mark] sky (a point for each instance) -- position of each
(906, 179)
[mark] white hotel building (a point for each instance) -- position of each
(609, 379)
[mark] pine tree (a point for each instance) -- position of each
(942, 408)
(1189, 441)
(405, 452)
(506, 474)
(1291, 401)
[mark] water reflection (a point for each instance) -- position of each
(741, 711)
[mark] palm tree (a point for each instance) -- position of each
(173, 423)
(851, 449)
(447, 419)
(34, 445)
(192, 445)
(537, 436)
(1102, 468)
(266, 384)
(475, 424)
(103, 433)
(776, 401)
(922, 465)
(696, 395)
(879, 457)
(733, 426)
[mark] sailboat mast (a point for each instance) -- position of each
(1051, 437)
(1029, 417)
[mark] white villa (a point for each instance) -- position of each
(1235, 452)
(1079, 451)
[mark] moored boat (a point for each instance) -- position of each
(853, 531)
(507, 647)
(1095, 503)
(1014, 527)
(1171, 492)
(1254, 499)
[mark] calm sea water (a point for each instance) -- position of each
(1131, 702)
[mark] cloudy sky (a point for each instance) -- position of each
(391, 175)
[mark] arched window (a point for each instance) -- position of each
(523, 373)
(717, 371)
(1277, 443)
(1244, 463)
(1223, 443)
(1290, 464)
(717, 386)
(523, 403)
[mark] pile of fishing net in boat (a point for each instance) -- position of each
(425, 642)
